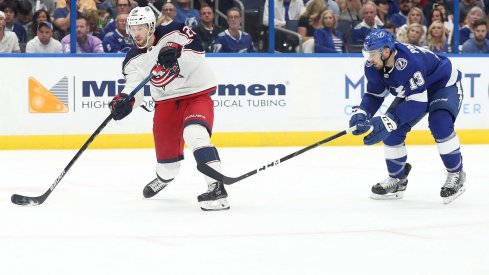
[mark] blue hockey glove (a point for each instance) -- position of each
(358, 118)
(120, 108)
(382, 126)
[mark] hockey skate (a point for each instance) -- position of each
(214, 199)
(153, 188)
(391, 188)
(454, 187)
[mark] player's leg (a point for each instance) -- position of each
(443, 112)
(198, 121)
(168, 146)
(395, 153)
(165, 173)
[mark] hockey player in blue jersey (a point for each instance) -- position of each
(423, 83)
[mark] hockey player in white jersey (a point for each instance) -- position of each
(184, 110)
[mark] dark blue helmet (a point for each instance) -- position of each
(378, 39)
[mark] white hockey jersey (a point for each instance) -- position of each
(194, 76)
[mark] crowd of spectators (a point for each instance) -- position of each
(322, 26)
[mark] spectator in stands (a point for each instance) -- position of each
(207, 30)
(92, 18)
(326, 38)
(360, 31)
(350, 10)
(437, 39)
(187, 15)
(24, 13)
(382, 11)
(39, 16)
(85, 42)
(330, 4)
(437, 15)
(9, 7)
(62, 17)
(233, 40)
(479, 43)
(466, 31)
(467, 5)
(118, 41)
(415, 16)
(418, 4)
(170, 10)
(122, 6)
(310, 19)
(414, 35)
(103, 19)
(400, 18)
(83, 5)
(8, 40)
(448, 17)
(390, 28)
(48, 5)
(168, 13)
(44, 41)
(284, 10)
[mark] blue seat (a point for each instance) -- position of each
(253, 4)
(292, 25)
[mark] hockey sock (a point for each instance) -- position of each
(442, 129)
(395, 158)
(209, 156)
(449, 150)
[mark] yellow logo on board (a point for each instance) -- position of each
(43, 100)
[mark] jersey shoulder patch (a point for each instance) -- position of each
(401, 64)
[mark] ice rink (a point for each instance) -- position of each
(309, 215)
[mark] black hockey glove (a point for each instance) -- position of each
(169, 55)
(120, 108)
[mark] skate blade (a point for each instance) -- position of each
(217, 205)
(391, 196)
(448, 200)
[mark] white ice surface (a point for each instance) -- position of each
(309, 215)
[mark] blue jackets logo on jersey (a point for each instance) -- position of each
(164, 77)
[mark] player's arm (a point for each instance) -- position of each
(376, 92)
(118, 106)
(371, 102)
(171, 51)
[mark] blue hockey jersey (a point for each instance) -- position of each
(416, 76)
(226, 43)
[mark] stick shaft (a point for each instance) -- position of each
(24, 200)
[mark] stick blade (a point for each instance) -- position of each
(210, 172)
(24, 200)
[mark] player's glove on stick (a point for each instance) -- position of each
(169, 55)
(358, 118)
(382, 126)
(119, 107)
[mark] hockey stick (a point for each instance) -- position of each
(208, 171)
(25, 200)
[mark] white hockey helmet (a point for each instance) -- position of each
(142, 15)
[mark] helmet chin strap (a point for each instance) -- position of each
(383, 58)
(146, 43)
